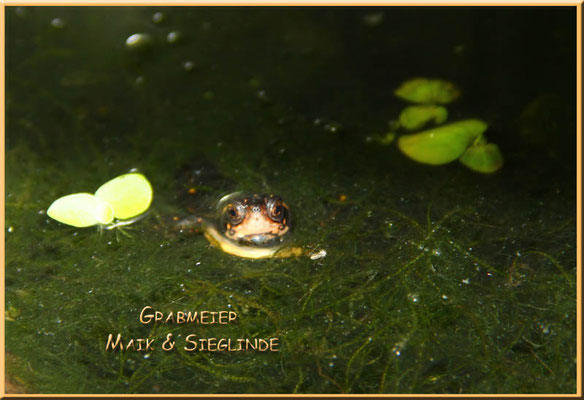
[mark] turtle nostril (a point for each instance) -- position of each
(255, 209)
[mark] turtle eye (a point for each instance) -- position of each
(276, 210)
(233, 214)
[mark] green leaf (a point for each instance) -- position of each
(428, 91)
(415, 117)
(129, 194)
(483, 158)
(81, 210)
(443, 144)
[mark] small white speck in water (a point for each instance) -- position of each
(188, 66)
(158, 17)
(173, 37)
(137, 40)
(414, 298)
(57, 23)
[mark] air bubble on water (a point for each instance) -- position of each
(333, 127)
(466, 281)
(262, 95)
(157, 17)
(10, 229)
(138, 40)
(228, 305)
(397, 349)
(188, 66)
(331, 364)
(198, 263)
(414, 298)
(173, 37)
(57, 23)
(147, 356)
(437, 252)
(444, 297)
(373, 19)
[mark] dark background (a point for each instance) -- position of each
(436, 280)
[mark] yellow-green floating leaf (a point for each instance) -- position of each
(129, 194)
(415, 117)
(483, 158)
(428, 91)
(443, 144)
(81, 210)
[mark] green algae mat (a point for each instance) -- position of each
(412, 278)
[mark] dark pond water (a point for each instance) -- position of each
(437, 279)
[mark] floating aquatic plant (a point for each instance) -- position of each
(124, 197)
(415, 117)
(485, 158)
(444, 144)
(428, 91)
